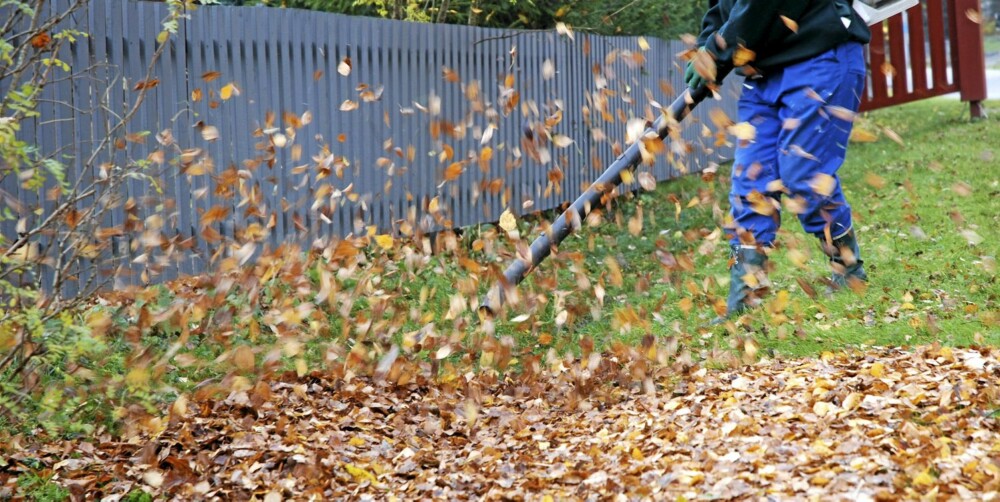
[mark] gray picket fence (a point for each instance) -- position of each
(417, 79)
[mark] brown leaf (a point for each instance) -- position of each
(40, 40)
(146, 84)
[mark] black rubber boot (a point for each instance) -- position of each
(748, 281)
(845, 259)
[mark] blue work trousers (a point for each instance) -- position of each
(803, 116)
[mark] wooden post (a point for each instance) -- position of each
(968, 52)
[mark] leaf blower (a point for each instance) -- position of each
(543, 245)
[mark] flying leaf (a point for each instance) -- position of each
(507, 221)
(146, 84)
(790, 23)
(743, 56)
(548, 69)
(487, 134)
(562, 141)
(647, 181)
(348, 105)
(451, 75)
(344, 68)
(210, 133)
(562, 29)
(229, 90)
(823, 184)
(384, 241)
(860, 135)
(453, 171)
(743, 131)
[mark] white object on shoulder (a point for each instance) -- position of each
(876, 11)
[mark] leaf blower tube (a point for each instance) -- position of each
(611, 178)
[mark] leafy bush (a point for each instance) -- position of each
(50, 345)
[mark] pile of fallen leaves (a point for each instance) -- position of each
(876, 425)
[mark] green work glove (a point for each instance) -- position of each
(692, 78)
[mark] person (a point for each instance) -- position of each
(804, 71)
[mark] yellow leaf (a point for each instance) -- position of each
(742, 56)
(229, 90)
(384, 241)
(138, 377)
(356, 442)
(852, 400)
(819, 480)
(924, 478)
(507, 221)
(859, 135)
(643, 44)
(877, 370)
(637, 455)
(359, 474)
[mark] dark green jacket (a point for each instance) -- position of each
(758, 26)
